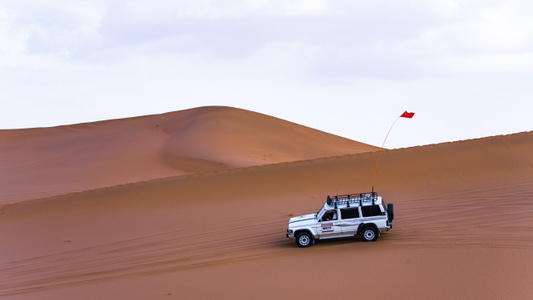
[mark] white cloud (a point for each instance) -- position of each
(304, 7)
(12, 40)
(144, 10)
(446, 8)
(503, 26)
(488, 63)
(55, 26)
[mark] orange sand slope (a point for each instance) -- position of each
(42, 162)
(463, 230)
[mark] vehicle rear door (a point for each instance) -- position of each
(350, 220)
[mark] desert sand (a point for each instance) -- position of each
(41, 162)
(194, 205)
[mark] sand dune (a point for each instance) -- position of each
(463, 230)
(59, 160)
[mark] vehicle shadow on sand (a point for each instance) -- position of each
(289, 243)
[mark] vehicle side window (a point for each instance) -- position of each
(349, 213)
(330, 215)
(369, 211)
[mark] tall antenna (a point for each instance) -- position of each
(408, 115)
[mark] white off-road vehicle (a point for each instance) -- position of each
(343, 216)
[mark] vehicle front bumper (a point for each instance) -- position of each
(289, 234)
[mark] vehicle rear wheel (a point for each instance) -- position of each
(304, 239)
(369, 234)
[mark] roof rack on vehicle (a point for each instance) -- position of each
(352, 199)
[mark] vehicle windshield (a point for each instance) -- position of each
(320, 211)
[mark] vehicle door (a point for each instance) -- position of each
(329, 224)
(350, 220)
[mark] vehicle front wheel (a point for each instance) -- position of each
(304, 239)
(369, 234)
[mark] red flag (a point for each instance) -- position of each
(408, 115)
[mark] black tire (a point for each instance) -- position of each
(390, 211)
(369, 234)
(304, 239)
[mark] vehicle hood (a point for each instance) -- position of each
(301, 219)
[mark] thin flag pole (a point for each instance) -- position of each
(404, 115)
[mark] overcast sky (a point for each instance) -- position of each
(349, 68)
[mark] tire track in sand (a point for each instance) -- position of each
(175, 250)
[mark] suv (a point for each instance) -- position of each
(343, 216)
